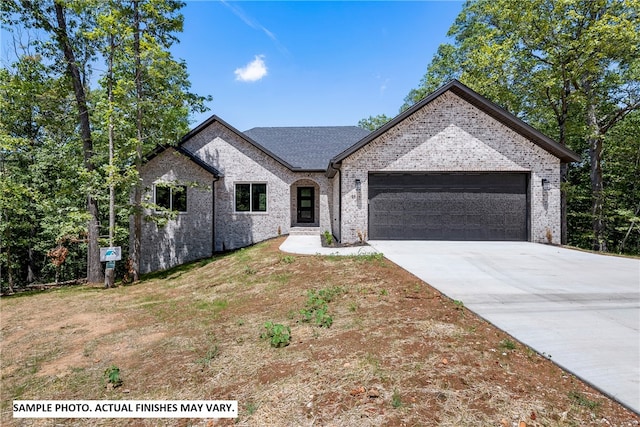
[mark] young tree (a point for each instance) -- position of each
(161, 98)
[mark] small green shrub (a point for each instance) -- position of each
(287, 259)
(328, 237)
(279, 335)
(323, 318)
(112, 376)
(316, 308)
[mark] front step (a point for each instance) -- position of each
(304, 231)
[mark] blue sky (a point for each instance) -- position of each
(306, 63)
(309, 63)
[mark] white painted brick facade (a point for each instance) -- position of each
(191, 235)
(188, 237)
(241, 162)
(451, 135)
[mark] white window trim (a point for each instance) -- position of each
(250, 211)
(169, 186)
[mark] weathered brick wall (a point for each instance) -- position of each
(188, 236)
(449, 134)
(241, 162)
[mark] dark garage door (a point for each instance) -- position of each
(448, 206)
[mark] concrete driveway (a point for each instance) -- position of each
(581, 309)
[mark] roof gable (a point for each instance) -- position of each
(206, 166)
(205, 124)
(480, 102)
(244, 137)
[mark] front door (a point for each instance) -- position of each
(306, 208)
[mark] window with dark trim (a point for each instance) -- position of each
(251, 197)
(171, 197)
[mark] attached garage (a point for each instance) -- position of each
(448, 206)
(454, 166)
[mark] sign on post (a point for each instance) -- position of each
(113, 253)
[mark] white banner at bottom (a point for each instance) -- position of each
(125, 409)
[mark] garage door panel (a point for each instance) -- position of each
(480, 206)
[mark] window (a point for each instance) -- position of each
(173, 197)
(251, 197)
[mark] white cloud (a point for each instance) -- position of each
(253, 71)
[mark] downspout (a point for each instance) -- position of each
(213, 215)
(334, 169)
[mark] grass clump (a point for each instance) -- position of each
(581, 400)
(396, 399)
(287, 259)
(507, 344)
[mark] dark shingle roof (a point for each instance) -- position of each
(308, 148)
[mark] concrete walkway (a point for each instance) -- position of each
(310, 245)
(582, 309)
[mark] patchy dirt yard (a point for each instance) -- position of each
(396, 353)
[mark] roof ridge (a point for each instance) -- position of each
(305, 127)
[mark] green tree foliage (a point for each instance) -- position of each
(374, 122)
(142, 100)
(570, 68)
(39, 206)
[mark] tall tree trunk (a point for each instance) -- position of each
(109, 275)
(94, 270)
(9, 270)
(563, 116)
(137, 194)
(31, 262)
(595, 157)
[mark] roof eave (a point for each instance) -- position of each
(199, 162)
(332, 169)
(514, 123)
